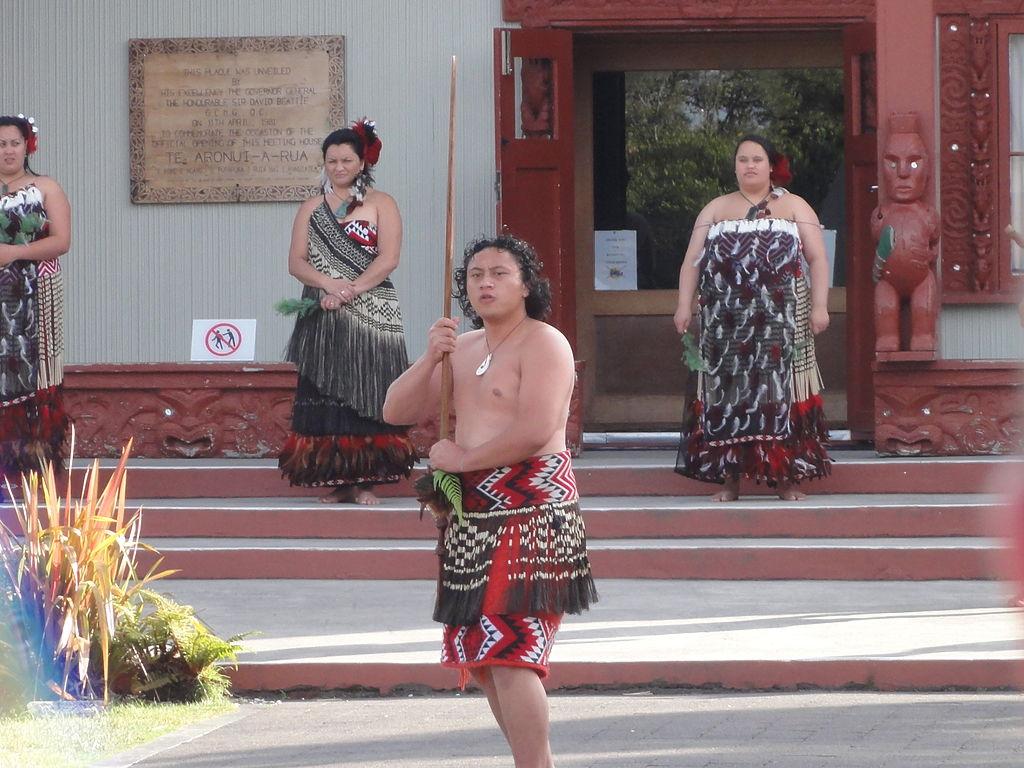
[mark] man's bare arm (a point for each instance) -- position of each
(416, 394)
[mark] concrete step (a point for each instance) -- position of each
(609, 517)
(734, 634)
(954, 557)
(599, 473)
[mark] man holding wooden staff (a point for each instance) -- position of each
(515, 560)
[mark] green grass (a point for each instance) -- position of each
(73, 742)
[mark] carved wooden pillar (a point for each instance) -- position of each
(967, 129)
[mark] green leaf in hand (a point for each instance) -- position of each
(33, 222)
(451, 487)
(691, 355)
(300, 307)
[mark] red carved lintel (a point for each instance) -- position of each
(978, 8)
(949, 407)
(659, 13)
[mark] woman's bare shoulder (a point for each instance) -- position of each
(790, 203)
(380, 199)
(47, 184)
(713, 210)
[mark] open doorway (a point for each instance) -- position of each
(657, 121)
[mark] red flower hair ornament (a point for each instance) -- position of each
(781, 174)
(32, 142)
(372, 145)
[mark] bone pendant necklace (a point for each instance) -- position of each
(482, 368)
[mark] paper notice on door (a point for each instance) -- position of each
(829, 236)
(615, 260)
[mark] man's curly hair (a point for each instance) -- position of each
(538, 301)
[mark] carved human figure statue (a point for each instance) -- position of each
(907, 232)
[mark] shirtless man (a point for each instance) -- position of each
(512, 382)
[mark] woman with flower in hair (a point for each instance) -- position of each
(350, 347)
(758, 411)
(35, 230)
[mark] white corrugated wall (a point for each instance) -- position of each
(138, 274)
(981, 332)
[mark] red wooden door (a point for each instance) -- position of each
(861, 146)
(533, 94)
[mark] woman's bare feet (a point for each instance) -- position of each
(731, 492)
(351, 495)
(341, 495)
(788, 492)
(366, 496)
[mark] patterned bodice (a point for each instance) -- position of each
(362, 232)
(22, 216)
(737, 251)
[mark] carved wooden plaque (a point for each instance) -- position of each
(230, 119)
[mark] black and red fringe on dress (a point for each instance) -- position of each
(758, 412)
(513, 565)
(346, 359)
(33, 422)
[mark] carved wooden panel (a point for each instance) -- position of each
(968, 120)
(199, 411)
(180, 411)
(982, 155)
(949, 408)
(954, 137)
(539, 13)
(537, 108)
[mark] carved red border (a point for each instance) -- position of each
(201, 410)
(979, 7)
(634, 13)
(954, 136)
(982, 155)
(949, 408)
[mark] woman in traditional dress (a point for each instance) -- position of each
(758, 411)
(345, 244)
(35, 230)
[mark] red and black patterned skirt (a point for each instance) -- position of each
(513, 565)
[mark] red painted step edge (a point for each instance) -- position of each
(350, 522)
(724, 563)
(881, 476)
(872, 674)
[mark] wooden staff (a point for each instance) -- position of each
(449, 247)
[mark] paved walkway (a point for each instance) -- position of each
(341, 621)
(642, 729)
